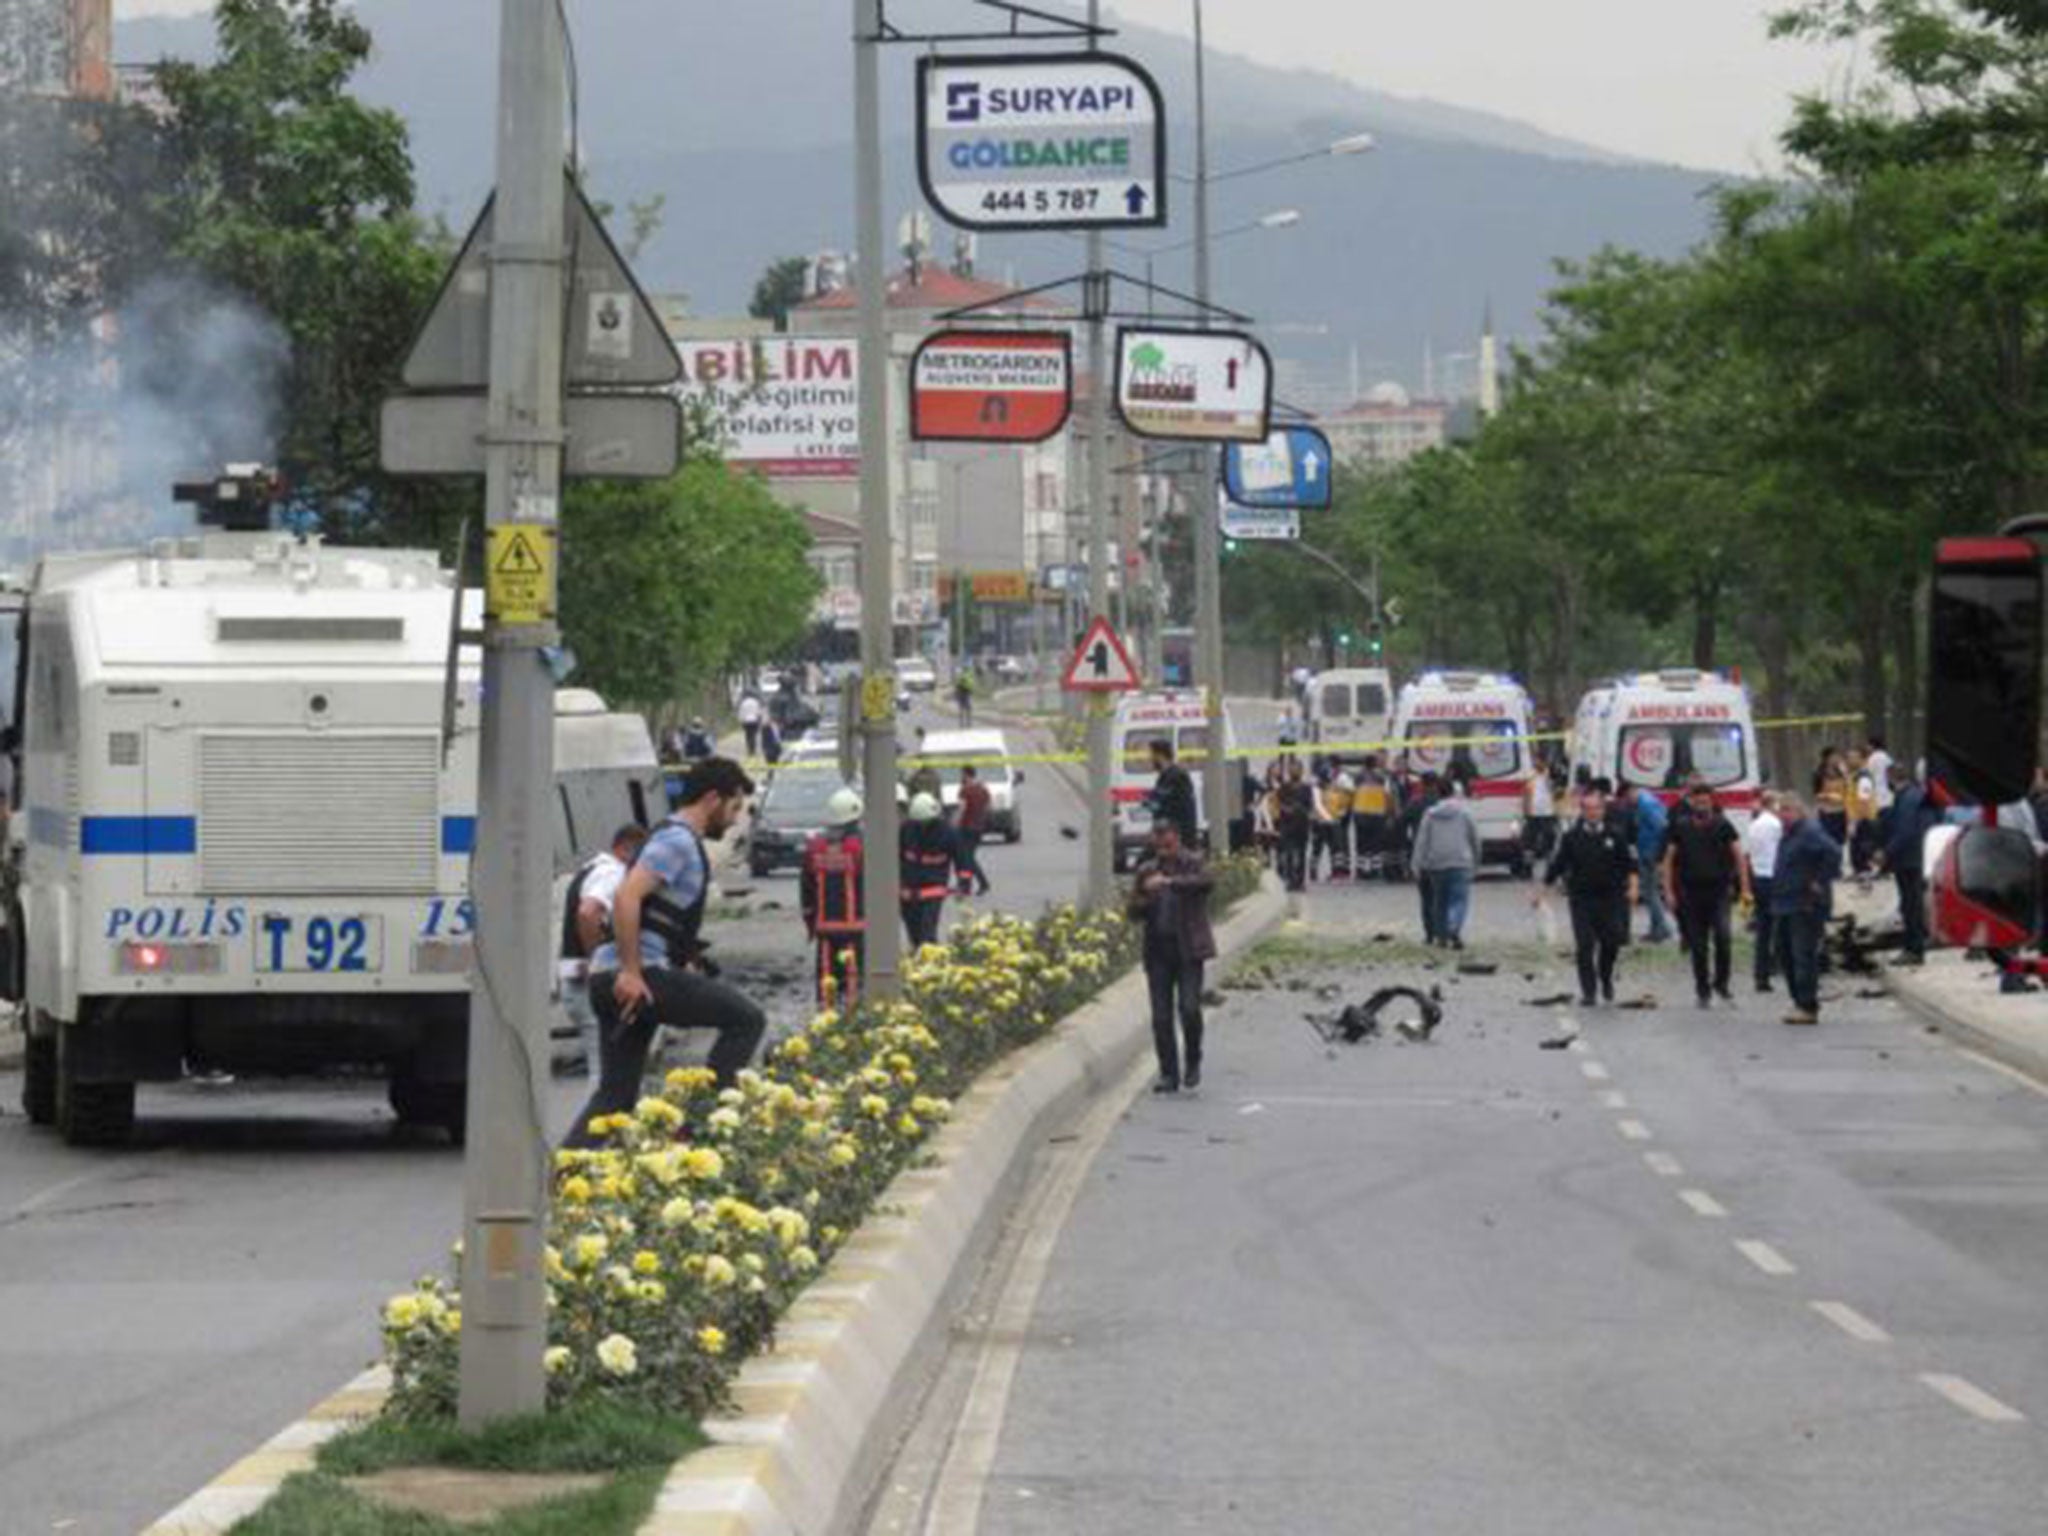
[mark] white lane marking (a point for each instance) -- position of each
(1765, 1257)
(1595, 1073)
(1252, 1109)
(1971, 1399)
(1851, 1322)
(2005, 1071)
(1614, 1098)
(1633, 1130)
(1664, 1165)
(1703, 1204)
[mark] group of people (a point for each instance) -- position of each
(1324, 821)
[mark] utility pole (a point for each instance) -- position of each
(505, 1170)
(1101, 865)
(879, 882)
(1208, 536)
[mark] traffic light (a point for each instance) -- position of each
(1343, 637)
(1375, 640)
(1230, 546)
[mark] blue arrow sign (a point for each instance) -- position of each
(1291, 468)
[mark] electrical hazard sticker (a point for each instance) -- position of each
(519, 573)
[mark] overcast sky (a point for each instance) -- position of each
(1696, 82)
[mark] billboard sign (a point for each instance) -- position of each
(991, 386)
(1242, 522)
(1291, 468)
(1042, 141)
(787, 406)
(1201, 386)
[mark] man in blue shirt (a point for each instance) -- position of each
(1905, 825)
(652, 972)
(1809, 862)
(1650, 820)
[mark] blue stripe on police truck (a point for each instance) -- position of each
(458, 834)
(179, 835)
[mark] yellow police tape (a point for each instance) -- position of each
(914, 760)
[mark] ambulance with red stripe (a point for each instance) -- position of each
(1474, 726)
(1658, 730)
(1176, 716)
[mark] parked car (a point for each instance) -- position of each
(788, 814)
(917, 674)
(989, 750)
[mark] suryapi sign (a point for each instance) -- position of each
(788, 406)
(1202, 386)
(991, 386)
(1042, 141)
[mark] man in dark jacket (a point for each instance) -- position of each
(1702, 870)
(1597, 864)
(1171, 899)
(1907, 821)
(929, 861)
(1173, 792)
(1809, 861)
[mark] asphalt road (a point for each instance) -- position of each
(1700, 1273)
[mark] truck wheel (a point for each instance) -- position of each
(90, 1114)
(422, 1103)
(39, 1079)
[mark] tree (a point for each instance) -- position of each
(295, 195)
(779, 290)
(669, 585)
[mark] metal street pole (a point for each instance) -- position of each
(1208, 536)
(505, 1169)
(1101, 885)
(877, 537)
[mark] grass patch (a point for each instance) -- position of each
(1295, 955)
(315, 1502)
(589, 1437)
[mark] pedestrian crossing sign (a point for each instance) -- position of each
(1101, 664)
(519, 573)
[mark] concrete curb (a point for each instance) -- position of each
(1974, 1022)
(819, 1414)
(251, 1482)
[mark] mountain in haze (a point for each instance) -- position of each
(740, 116)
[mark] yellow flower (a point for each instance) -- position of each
(451, 1321)
(677, 1212)
(711, 1340)
(658, 1112)
(576, 1190)
(618, 1355)
(556, 1359)
(683, 1079)
(704, 1163)
(589, 1250)
(652, 1292)
(874, 1104)
(401, 1313)
(718, 1271)
(844, 1154)
(803, 1260)
(906, 1124)
(646, 1262)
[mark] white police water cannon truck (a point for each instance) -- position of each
(240, 833)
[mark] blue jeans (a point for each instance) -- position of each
(1799, 937)
(1653, 899)
(1450, 898)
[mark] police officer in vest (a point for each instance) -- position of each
(831, 895)
(929, 859)
(652, 972)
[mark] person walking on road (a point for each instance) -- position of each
(1417, 806)
(1760, 857)
(1539, 816)
(652, 972)
(751, 717)
(1703, 869)
(928, 858)
(1809, 862)
(1911, 817)
(1339, 797)
(1170, 898)
(1173, 792)
(587, 924)
(971, 828)
(1597, 866)
(697, 742)
(1651, 821)
(1447, 854)
(830, 891)
(1296, 813)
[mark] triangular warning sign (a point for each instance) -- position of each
(1101, 664)
(519, 558)
(615, 335)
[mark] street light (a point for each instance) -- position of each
(1350, 144)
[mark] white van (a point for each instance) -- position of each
(989, 751)
(1656, 730)
(1352, 708)
(1141, 719)
(1474, 726)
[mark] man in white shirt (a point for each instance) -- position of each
(1760, 852)
(750, 720)
(1878, 764)
(587, 925)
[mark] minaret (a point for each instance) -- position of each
(1489, 368)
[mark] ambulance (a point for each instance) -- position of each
(1475, 727)
(1175, 716)
(1658, 730)
(243, 806)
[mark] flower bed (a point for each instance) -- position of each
(670, 1260)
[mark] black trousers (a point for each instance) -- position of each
(921, 920)
(1703, 921)
(1765, 929)
(1599, 929)
(1176, 985)
(969, 861)
(682, 1000)
(1912, 887)
(1428, 898)
(1799, 941)
(753, 730)
(1294, 858)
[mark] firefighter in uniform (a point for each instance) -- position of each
(831, 894)
(928, 863)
